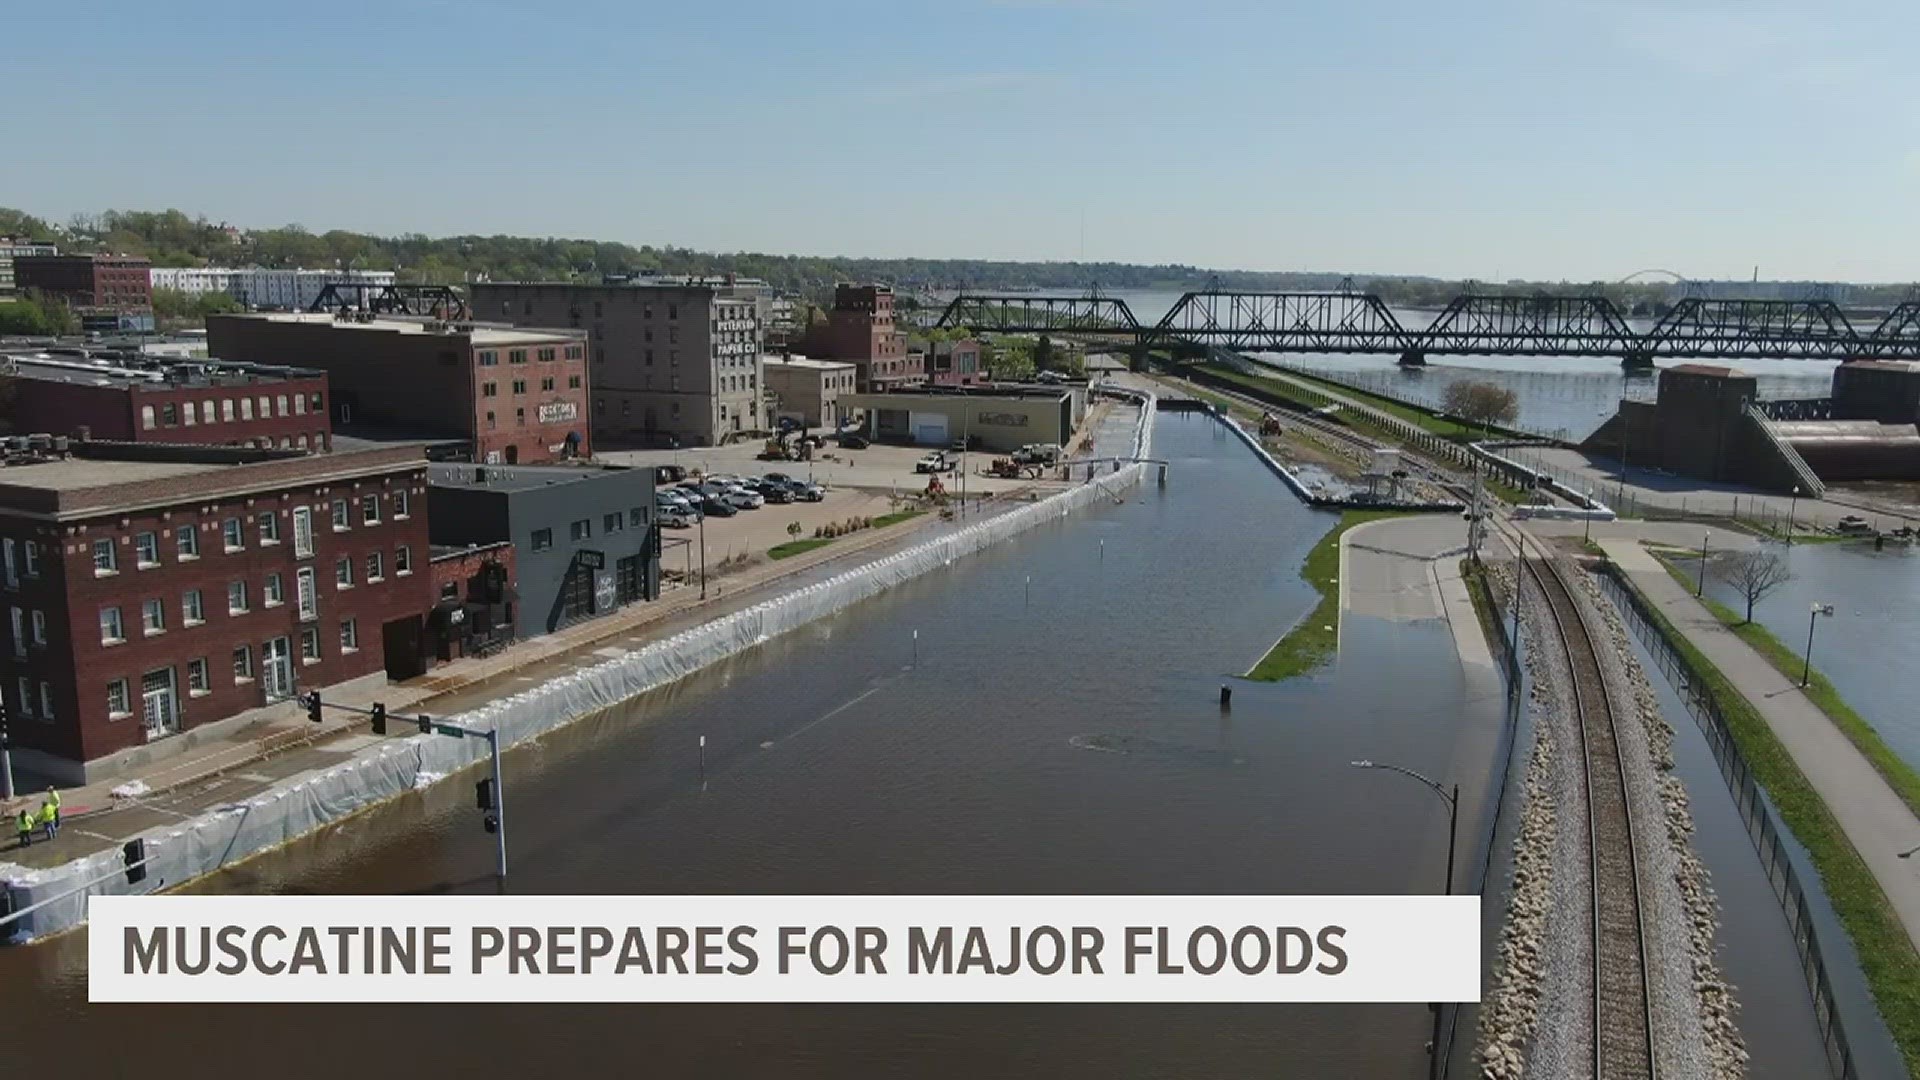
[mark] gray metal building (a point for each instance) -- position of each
(585, 540)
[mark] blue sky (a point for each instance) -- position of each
(1542, 139)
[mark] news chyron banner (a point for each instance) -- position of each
(785, 949)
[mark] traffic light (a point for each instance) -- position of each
(426, 724)
(379, 719)
(483, 794)
(313, 706)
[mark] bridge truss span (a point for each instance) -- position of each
(1039, 315)
(1303, 322)
(1504, 325)
(1699, 328)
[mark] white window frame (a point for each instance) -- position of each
(268, 522)
(104, 546)
(402, 561)
(309, 636)
(343, 572)
(376, 566)
(153, 616)
(273, 591)
(197, 672)
(307, 593)
(402, 505)
(140, 559)
(342, 516)
(245, 601)
(39, 627)
(242, 664)
(118, 632)
(349, 635)
(193, 608)
(233, 534)
(370, 509)
(186, 542)
(32, 553)
(303, 532)
(117, 688)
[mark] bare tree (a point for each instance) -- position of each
(1480, 403)
(1753, 573)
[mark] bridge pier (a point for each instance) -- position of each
(1413, 358)
(1637, 362)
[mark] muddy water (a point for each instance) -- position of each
(1053, 738)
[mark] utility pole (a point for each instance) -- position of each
(1701, 589)
(6, 755)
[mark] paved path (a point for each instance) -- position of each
(1874, 818)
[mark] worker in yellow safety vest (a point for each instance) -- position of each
(49, 819)
(25, 823)
(53, 800)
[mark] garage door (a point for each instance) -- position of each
(929, 429)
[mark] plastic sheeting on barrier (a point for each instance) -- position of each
(177, 854)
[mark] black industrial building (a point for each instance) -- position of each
(585, 540)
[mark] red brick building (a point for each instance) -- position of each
(120, 282)
(156, 591)
(515, 396)
(133, 398)
(860, 330)
(473, 599)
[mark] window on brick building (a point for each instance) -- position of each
(546, 383)
(105, 559)
(198, 681)
(118, 703)
(376, 568)
(573, 382)
(403, 560)
(112, 629)
(349, 635)
(400, 503)
(231, 534)
(236, 597)
(146, 550)
(309, 645)
(340, 519)
(519, 386)
(269, 527)
(343, 573)
(153, 616)
(192, 611)
(370, 509)
(186, 542)
(243, 663)
(273, 592)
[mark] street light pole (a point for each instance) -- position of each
(703, 553)
(1701, 590)
(1806, 669)
(1792, 506)
(1452, 799)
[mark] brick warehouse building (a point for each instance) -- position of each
(156, 593)
(128, 397)
(515, 396)
(108, 292)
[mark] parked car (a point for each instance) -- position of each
(936, 462)
(774, 491)
(853, 442)
(807, 491)
(664, 501)
(778, 478)
(676, 516)
(717, 506)
(745, 498)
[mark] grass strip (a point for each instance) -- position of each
(1313, 640)
(1886, 953)
(796, 547)
(896, 518)
(1899, 775)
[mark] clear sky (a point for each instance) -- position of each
(1530, 138)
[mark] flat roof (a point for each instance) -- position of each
(1707, 369)
(482, 477)
(481, 333)
(806, 362)
(148, 370)
(1882, 365)
(78, 474)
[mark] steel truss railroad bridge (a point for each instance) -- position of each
(1475, 324)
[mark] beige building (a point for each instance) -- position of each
(807, 390)
(672, 362)
(1001, 421)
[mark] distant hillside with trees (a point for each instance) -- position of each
(172, 238)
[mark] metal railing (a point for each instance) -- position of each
(1751, 802)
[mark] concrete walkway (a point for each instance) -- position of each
(1873, 816)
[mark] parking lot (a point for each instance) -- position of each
(878, 468)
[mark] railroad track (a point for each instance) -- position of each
(1622, 1002)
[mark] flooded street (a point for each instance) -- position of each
(1062, 740)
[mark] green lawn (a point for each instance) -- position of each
(1900, 775)
(896, 518)
(1886, 953)
(1413, 414)
(796, 547)
(1313, 640)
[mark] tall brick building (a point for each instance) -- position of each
(516, 396)
(107, 292)
(674, 361)
(133, 398)
(860, 329)
(156, 591)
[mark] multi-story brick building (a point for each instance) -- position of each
(860, 329)
(13, 247)
(672, 362)
(158, 591)
(108, 292)
(113, 395)
(955, 363)
(514, 395)
(259, 287)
